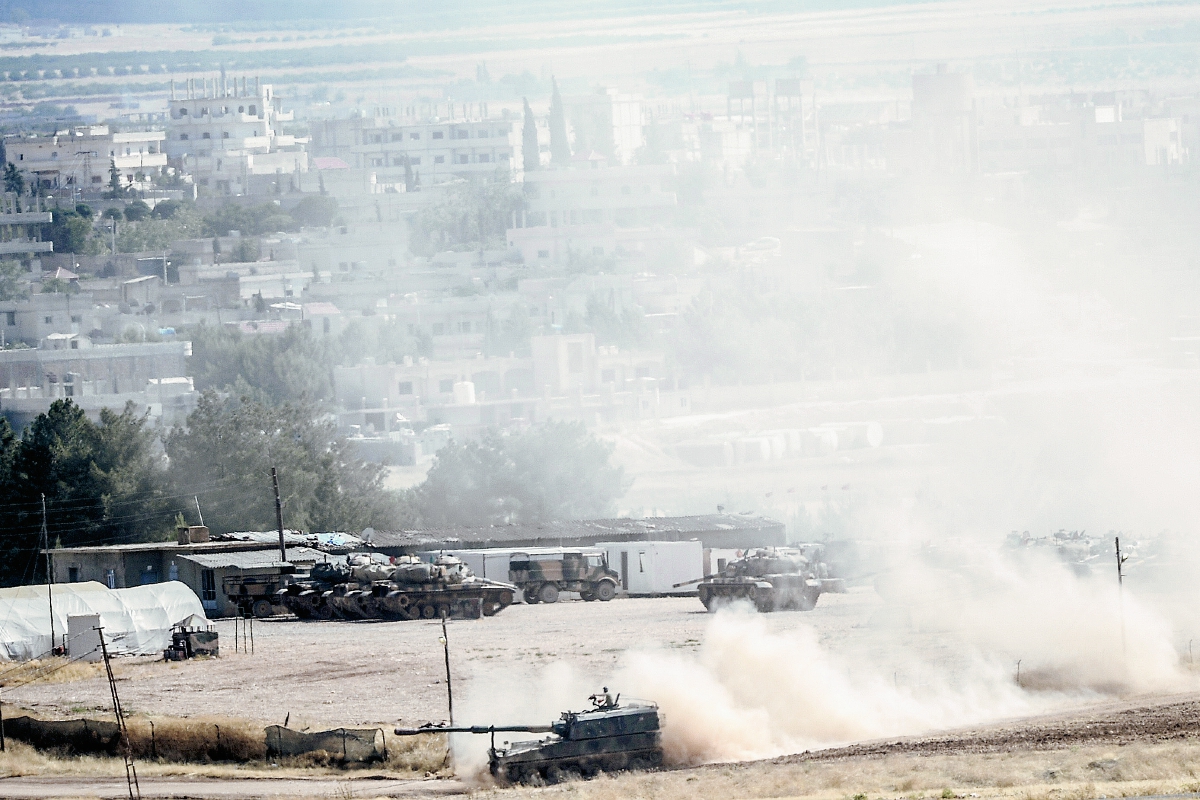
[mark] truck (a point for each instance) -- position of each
(256, 594)
(542, 573)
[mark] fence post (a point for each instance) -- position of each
(343, 745)
(218, 750)
(153, 741)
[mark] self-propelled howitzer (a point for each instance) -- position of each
(606, 738)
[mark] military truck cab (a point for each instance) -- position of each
(543, 573)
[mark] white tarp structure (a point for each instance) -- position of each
(136, 621)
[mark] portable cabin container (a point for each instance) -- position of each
(653, 568)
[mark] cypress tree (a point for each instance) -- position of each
(560, 147)
(529, 141)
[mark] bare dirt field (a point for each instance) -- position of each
(530, 661)
(332, 673)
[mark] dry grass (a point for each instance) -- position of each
(424, 755)
(48, 670)
(1076, 774)
(193, 747)
(196, 740)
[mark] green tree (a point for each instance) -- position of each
(137, 211)
(103, 483)
(166, 209)
(115, 189)
(68, 230)
(250, 221)
(315, 211)
(627, 329)
(292, 366)
(13, 281)
(247, 249)
(554, 471)
(234, 442)
(560, 145)
(474, 214)
(14, 181)
(157, 233)
(529, 141)
(58, 286)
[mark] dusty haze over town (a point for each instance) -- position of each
(912, 284)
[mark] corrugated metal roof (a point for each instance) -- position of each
(590, 530)
(253, 559)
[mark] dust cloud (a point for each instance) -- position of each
(753, 690)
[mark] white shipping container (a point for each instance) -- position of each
(655, 567)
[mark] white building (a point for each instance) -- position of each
(434, 150)
(592, 210)
(81, 157)
(229, 138)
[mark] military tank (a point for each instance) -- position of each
(405, 588)
(608, 737)
(771, 579)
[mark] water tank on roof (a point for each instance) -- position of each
(464, 393)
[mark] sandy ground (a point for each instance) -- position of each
(328, 674)
(332, 673)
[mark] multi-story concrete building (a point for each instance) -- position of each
(151, 374)
(82, 157)
(432, 150)
(30, 321)
(230, 138)
(593, 210)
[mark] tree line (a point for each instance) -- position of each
(119, 481)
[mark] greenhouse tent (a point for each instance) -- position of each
(136, 621)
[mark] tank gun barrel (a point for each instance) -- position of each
(689, 583)
(476, 729)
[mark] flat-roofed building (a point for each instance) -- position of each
(81, 158)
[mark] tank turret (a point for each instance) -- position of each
(770, 578)
(609, 737)
(367, 586)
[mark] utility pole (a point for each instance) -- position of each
(1121, 592)
(49, 572)
(449, 687)
(135, 791)
(279, 515)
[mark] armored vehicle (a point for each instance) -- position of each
(544, 572)
(609, 737)
(772, 579)
(365, 588)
